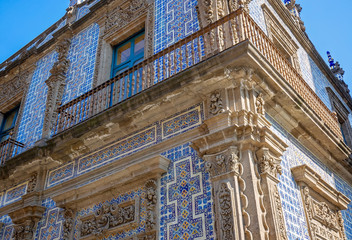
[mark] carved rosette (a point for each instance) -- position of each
(223, 162)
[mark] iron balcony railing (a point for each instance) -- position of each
(213, 39)
(9, 148)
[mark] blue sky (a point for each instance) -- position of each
(328, 23)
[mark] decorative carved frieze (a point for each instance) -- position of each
(109, 215)
(118, 17)
(322, 205)
(13, 89)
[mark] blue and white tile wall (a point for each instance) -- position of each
(31, 123)
(6, 229)
(174, 20)
(296, 155)
(82, 54)
(185, 197)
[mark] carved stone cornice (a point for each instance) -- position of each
(304, 174)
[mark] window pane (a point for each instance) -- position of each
(123, 53)
(139, 45)
(9, 120)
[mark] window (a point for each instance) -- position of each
(342, 116)
(8, 124)
(128, 54)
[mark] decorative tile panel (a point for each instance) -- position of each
(181, 123)
(31, 123)
(185, 197)
(82, 55)
(15, 193)
(174, 20)
(118, 150)
(151, 135)
(295, 155)
(60, 174)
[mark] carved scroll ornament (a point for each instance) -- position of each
(106, 217)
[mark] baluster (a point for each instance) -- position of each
(143, 76)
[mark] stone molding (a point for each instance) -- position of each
(322, 205)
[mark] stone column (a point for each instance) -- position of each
(56, 86)
(243, 157)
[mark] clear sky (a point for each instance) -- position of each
(328, 24)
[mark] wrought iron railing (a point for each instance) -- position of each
(213, 39)
(9, 148)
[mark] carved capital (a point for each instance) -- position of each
(267, 163)
(68, 224)
(24, 230)
(223, 162)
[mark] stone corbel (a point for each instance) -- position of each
(322, 205)
(25, 220)
(56, 85)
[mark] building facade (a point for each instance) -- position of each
(175, 119)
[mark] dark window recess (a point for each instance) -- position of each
(8, 124)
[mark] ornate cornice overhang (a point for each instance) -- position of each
(305, 174)
(309, 47)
